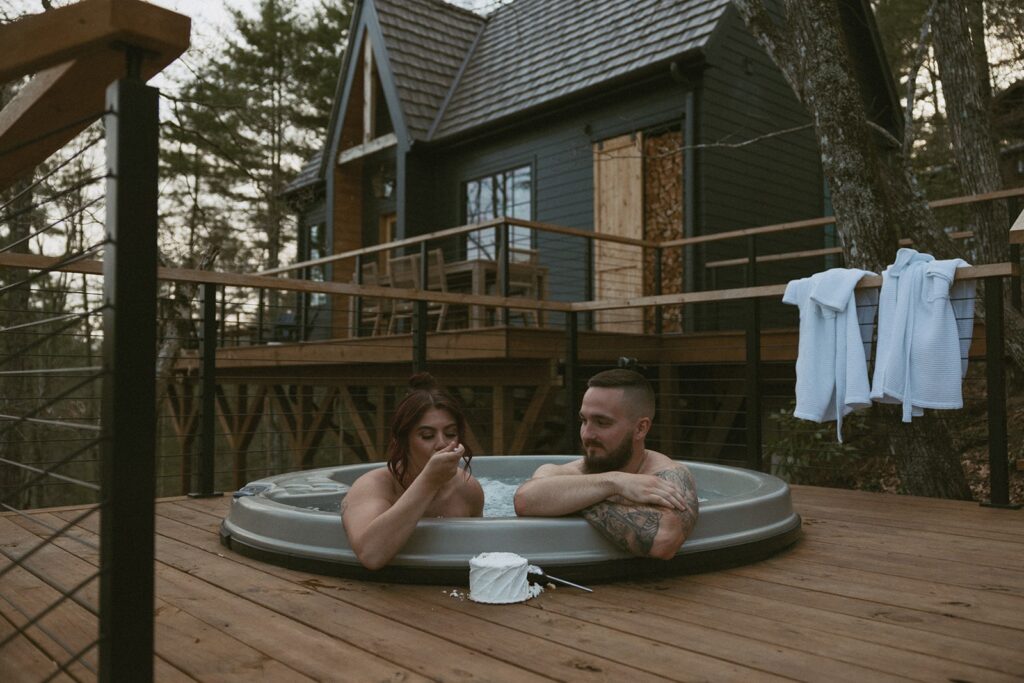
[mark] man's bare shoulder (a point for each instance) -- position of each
(658, 462)
(551, 469)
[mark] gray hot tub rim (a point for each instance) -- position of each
(753, 520)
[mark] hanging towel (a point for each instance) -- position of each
(835, 339)
(925, 322)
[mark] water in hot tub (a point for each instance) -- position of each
(499, 494)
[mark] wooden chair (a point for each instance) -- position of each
(524, 280)
(374, 312)
(405, 274)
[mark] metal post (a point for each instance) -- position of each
(572, 408)
(357, 312)
(1015, 280)
(419, 338)
(658, 317)
(260, 317)
(128, 465)
(223, 315)
(207, 391)
(503, 254)
(998, 459)
(753, 374)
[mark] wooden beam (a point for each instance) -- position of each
(528, 424)
(367, 148)
(39, 41)
(62, 100)
(357, 422)
(369, 92)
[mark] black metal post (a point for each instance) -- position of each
(260, 317)
(753, 369)
(570, 377)
(503, 257)
(658, 317)
(207, 391)
(995, 355)
(419, 337)
(1015, 280)
(222, 338)
(128, 465)
(357, 305)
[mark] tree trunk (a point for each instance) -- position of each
(968, 114)
(874, 194)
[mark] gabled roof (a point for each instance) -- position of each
(426, 41)
(309, 175)
(535, 52)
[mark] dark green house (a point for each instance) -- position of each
(617, 116)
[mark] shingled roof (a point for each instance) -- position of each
(535, 52)
(427, 41)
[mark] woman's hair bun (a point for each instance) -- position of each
(422, 381)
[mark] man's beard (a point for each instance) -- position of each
(614, 459)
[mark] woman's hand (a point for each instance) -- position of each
(443, 465)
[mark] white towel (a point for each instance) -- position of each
(835, 338)
(923, 335)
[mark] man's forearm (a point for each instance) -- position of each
(557, 495)
(648, 530)
(632, 528)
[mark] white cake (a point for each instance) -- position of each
(498, 578)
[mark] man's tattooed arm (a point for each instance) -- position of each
(635, 528)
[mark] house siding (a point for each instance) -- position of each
(774, 180)
(558, 147)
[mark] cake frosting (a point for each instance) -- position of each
(498, 578)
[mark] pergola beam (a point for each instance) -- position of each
(72, 72)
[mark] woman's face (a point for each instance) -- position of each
(435, 431)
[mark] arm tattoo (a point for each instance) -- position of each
(683, 480)
(633, 528)
(630, 527)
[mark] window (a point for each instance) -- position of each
(317, 244)
(508, 193)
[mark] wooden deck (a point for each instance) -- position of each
(880, 588)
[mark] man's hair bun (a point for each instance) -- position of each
(422, 381)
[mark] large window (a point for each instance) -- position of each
(508, 193)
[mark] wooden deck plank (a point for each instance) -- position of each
(403, 645)
(608, 651)
(184, 641)
(257, 627)
(881, 587)
(67, 628)
(650, 620)
(411, 606)
(828, 650)
(22, 662)
(935, 646)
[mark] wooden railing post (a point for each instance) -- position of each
(260, 317)
(419, 327)
(658, 317)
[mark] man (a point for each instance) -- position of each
(641, 500)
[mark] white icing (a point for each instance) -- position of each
(498, 578)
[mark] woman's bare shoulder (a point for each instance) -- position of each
(378, 483)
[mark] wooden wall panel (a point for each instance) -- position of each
(618, 210)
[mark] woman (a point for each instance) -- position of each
(422, 479)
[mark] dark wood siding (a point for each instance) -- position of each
(777, 179)
(558, 147)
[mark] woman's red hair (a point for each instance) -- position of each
(423, 395)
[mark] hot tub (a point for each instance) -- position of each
(293, 520)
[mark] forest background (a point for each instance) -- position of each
(250, 101)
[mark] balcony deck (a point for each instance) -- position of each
(880, 588)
